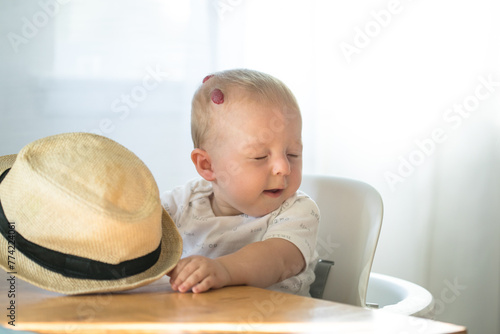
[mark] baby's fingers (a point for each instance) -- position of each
(178, 274)
(188, 272)
(204, 285)
(194, 278)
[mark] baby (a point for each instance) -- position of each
(245, 222)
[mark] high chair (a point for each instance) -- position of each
(351, 219)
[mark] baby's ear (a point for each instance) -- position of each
(203, 164)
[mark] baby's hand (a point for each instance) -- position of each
(199, 274)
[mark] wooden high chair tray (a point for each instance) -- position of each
(157, 309)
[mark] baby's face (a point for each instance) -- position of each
(257, 159)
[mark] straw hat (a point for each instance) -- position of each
(85, 215)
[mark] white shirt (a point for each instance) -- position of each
(203, 233)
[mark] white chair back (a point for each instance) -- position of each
(351, 219)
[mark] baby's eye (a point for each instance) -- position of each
(261, 158)
(293, 155)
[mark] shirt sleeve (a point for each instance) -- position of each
(169, 204)
(175, 200)
(297, 222)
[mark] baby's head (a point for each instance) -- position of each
(246, 129)
(221, 91)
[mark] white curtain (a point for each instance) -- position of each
(404, 95)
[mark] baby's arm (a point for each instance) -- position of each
(259, 264)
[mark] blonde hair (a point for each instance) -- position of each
(260, 87)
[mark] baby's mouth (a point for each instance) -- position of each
(273, 192)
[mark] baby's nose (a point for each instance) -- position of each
(281, 166)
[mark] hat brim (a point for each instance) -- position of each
(27, 270)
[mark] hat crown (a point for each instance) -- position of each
(95, 171)
(84, 195)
